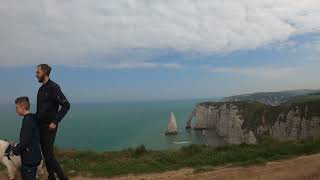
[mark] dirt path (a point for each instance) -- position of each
(302, 168)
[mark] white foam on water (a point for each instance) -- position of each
(182, 142)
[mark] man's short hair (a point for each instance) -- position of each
(23, 101)
(45, 68)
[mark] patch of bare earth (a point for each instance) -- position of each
(302, 168)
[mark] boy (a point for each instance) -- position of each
(29, 146)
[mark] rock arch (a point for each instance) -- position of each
(191, 116)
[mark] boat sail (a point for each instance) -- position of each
(172, 127)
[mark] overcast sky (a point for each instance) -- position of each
(104, 50)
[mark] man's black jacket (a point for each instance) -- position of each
(29, 145)
(49, 100)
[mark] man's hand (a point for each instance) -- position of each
(52, 126)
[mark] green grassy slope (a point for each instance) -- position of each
(140, 160)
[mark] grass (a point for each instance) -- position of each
(201, 158)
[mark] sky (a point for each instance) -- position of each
(128, 50)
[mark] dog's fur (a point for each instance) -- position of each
(13, 165)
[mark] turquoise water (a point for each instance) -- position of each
(115, 126)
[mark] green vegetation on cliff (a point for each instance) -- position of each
(273, 98)
(310, 103)
(256, 114)
(140, 160)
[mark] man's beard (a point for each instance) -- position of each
(40, 79)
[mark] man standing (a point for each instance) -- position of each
(49, 100)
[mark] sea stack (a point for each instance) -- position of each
(172, 127)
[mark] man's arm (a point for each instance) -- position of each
(28, 128)
(64, 103)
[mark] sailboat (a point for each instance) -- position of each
(172, 127)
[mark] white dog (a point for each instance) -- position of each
(14, 164)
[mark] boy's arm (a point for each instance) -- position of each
(27, 130)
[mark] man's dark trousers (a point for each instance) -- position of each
(29, 173)
(47, 138)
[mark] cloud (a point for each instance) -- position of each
(261, 72)
(136, 65)
(124, 32)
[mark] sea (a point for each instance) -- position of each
(119, 125)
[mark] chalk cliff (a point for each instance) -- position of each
(245, 122)
(296, 124)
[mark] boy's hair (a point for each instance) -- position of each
(45, 68)
(23, 101)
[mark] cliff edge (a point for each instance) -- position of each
(246, 121)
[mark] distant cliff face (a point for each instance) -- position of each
(296, 125)
(245, 122)
(271, 98)
(226, 119)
